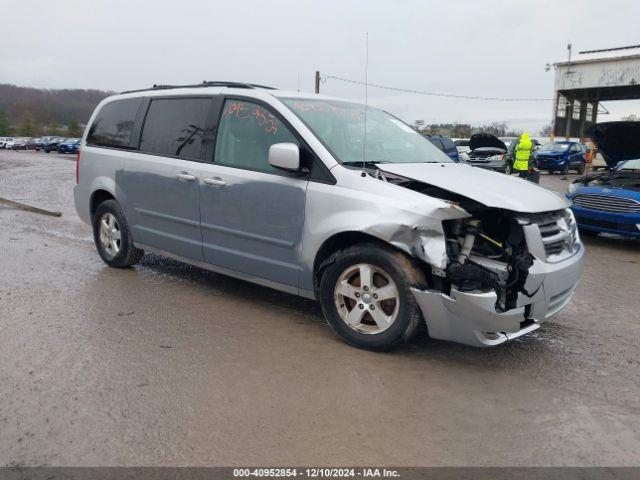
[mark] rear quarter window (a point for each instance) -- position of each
(113, 124)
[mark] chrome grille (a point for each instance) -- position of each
(558, 233)
(554, 237)
(607, 204)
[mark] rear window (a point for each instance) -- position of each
(175, 126)
(113, 124)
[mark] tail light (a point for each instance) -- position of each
(78, 167)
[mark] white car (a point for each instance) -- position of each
(8, 143)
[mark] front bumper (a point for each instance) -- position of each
(549, 164)
(472, 319)
(495, 166)
(607, 222)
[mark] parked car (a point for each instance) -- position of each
(560, 157)
(4, 141)
(51, 145)
(8, 144)
(70, 145)
(487, 151)
(462, 145)
(283, 189)
(610, 201)
(447, 146)
(38, 143)
(535, 144)
(22, 143)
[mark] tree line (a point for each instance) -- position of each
(31, 112)
(464, 130)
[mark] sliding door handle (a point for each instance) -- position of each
(187, 177)
(216, 181)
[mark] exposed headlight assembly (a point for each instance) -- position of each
(573, 229)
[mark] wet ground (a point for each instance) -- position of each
(166, 364)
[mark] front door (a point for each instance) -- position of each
(252, 214)
(576, 155)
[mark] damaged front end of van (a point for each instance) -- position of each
(503, 268)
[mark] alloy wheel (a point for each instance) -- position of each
(367, 299)
(110, 234)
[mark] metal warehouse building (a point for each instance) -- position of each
(595, 76)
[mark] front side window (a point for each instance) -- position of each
(175, 127)
(113, 124)
(245, 133)
(341, 127)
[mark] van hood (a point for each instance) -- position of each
(617, 141)
(489, 188)
(479, 140)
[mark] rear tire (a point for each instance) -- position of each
(380, 312)
(112, 236)
(581, 168)
(565, 170)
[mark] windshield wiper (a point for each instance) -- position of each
(360, 163)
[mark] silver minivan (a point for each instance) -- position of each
(330, 200)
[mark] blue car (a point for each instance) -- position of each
(447, 146)
(560, 157)
(71, 145)
(610, 202)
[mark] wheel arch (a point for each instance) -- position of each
(97, 197)
(341, 241)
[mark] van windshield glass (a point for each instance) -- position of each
(340, 127)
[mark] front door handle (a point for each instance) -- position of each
(187, 177)
(217, 181)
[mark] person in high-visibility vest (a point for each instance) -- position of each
(523, 151)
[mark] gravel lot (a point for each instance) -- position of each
(167, 364)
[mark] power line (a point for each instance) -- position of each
(434, 94)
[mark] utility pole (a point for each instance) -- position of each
(317, 81)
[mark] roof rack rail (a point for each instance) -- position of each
(205, 83)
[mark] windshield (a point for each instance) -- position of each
(340, 127)
(554, 147)
(631, 165)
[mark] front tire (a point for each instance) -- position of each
(112, 236)
(565, 170)
(366, 298)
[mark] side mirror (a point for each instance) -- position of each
(285, 156)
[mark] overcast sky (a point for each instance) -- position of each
(486, 48)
